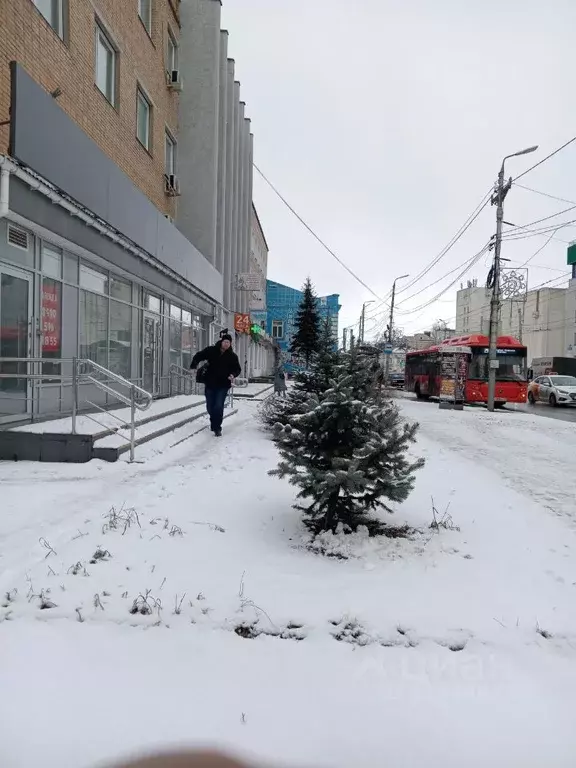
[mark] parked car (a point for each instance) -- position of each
(554, 390)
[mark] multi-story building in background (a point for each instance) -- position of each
(544, 320)
(282, 306)
(261, 356)
(126, 188)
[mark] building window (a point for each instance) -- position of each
(152, 303)
(170, 155)
(106, 57)
(51, 261)
(143, 119)
(94, 327)
(120, 351)
(145, 13)
(277, 329)
(175, 335)
(53, 12)
(51, 324)
(171, 54)
(94, 281)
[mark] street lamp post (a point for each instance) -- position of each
(500, 193)
(391, 324)
(363, 320)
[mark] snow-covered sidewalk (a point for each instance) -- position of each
(202, 619)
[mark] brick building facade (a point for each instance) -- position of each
(65, 59)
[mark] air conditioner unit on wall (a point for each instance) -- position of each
(172, 185)
(174, 80)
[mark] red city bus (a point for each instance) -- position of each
(423, 370)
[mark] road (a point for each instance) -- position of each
(562, 413)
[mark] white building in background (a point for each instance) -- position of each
(420, 341)
(260, 353)
(258, 263)
(545, 321)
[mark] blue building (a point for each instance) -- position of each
(282, 304)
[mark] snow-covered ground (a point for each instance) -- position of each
(452, 648)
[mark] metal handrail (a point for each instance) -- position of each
(83, 371)
(183, 374)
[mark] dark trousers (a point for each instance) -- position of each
(215, 399)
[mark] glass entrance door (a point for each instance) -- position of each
(151, 351)
(15, 340)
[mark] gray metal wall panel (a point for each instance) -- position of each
(37, 208)
(45, 139)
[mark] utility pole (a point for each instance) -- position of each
(363, 321)
(500, 192)
(344, 339)
(391, 327)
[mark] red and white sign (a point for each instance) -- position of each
(51, 330)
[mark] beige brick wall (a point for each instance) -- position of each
(27, 38)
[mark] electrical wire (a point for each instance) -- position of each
(464, 228)
(545, 159)
(314, 235)
(545, 194)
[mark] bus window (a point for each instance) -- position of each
(512, 365)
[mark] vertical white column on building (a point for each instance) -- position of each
(240, 192)
(222, 167)
(230, 181)
(199, 123)
(246, 207)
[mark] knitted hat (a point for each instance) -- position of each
(226, 337)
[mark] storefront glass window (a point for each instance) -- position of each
(94, 281)
(153, 303)
(51, 261)
(94, 327)
(175, 335)
(51, 324)
(120, 289)
(187, 339)
(120, 338)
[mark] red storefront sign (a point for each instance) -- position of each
(51, 331)
(242, 322)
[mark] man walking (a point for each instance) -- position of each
(222, 368)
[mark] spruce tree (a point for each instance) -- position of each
(348, 452)
(316, 379)
(306, 339)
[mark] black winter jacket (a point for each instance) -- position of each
(221, 365)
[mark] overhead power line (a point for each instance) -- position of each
(467, 224)
(546, 194)
(545, 159)
(315, 236)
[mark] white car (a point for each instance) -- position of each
(555, 390)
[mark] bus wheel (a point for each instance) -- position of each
(499, 405)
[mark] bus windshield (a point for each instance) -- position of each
(512, 365)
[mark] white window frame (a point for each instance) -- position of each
(169, 140)
(172, 52)
(102, 38)
(141, 97)
(56, 20)
(145, 17)
(277, 324)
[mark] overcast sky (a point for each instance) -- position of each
(384, 122)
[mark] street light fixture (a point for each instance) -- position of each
(390, 326)
(501, 191)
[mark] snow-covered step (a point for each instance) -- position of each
(111, 446)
